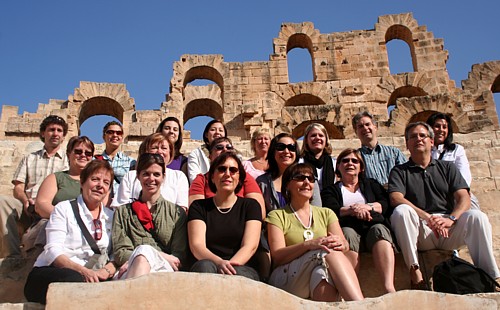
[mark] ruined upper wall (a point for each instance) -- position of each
(350, 72)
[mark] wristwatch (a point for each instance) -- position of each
(454, 219)
(371, 205)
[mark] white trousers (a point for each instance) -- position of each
(472, 229)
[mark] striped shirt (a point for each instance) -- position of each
(121, 164)
(36, 166)
(380, 161)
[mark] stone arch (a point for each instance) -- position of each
(300, 40)
(405, 91)
(408, 110)
(203, 107)
(400, 32)
(304, 100)
(93, 98)
(421, 42)
(332, 130)
(424, 115)
(485, 76)
(204, 72)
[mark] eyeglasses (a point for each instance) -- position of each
(283, 146)
(220, 147)
(98, 229)
(80, 152)
(232, 170)
(346, 160)
(303, 177)
(117, 132)
(421, 135)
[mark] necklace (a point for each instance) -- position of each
(308, 233)
(226, 211)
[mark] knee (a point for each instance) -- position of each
(402, 213)
(204, 266)
(352, 237)
(475, 218)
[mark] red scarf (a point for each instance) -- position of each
(143, 214)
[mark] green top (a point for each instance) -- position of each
(67, 187)
(170, 225)
(293, 230)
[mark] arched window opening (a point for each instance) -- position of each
(405, 91)
(495, 88)
(304, 99)
(333, 131)
(299, 66)
(398, 51)
(300, 58)
(196, 125)
(92, 127)
(202, 82)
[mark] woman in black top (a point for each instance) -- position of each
(362, 207)
(224, 230)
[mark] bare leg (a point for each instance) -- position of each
(140, 266)
(353, 257)
(383, 259)
(325, 292)
(344, 277)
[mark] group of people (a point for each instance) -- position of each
(297, 219)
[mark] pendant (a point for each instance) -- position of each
(308, 235)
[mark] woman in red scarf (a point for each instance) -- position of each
(149, 234)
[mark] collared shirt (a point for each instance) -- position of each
(380, 161)
(64, 236)
(431, 188)
(36, 166)
(121, 164)
(456, 156)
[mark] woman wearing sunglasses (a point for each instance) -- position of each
(224, 230)
(363, 209)
(283, 152)
(67, 257)
(149, 234)
(65, 185)
(200, 188)
(175, 185)
(198, 159)
(307, 244)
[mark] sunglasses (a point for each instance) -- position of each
(117, 132)
(98, 229)
(220, 147)
(283, 146)
(347, 160)
(303, 177)
(80, 152)
(232, 170)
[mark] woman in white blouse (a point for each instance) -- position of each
(445, 149)
(68, 256)
(175, 186)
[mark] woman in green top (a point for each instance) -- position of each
(65, 185)
(307, 245)
(149, 234)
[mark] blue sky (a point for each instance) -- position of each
(48, 47)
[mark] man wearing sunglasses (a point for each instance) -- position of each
(112, 135)
(432, 208)
(379, 158)
(27, 179)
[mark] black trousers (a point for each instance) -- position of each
(208, 266)
(37, 283)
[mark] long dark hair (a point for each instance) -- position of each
(448, 142)
(178, 143)
(271, 160)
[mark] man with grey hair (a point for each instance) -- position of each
(432, 208)
(379, 158)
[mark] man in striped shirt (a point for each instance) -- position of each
(379, 159)
(27, 179)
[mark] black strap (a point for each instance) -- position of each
(85, 231)
(442, 155)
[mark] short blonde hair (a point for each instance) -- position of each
(305, 148)
(257, 133)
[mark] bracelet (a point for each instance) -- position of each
(109, 272)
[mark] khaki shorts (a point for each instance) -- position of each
(375, 233)
(302, 275)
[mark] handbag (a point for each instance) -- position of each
(457, 276)
(100, 258)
